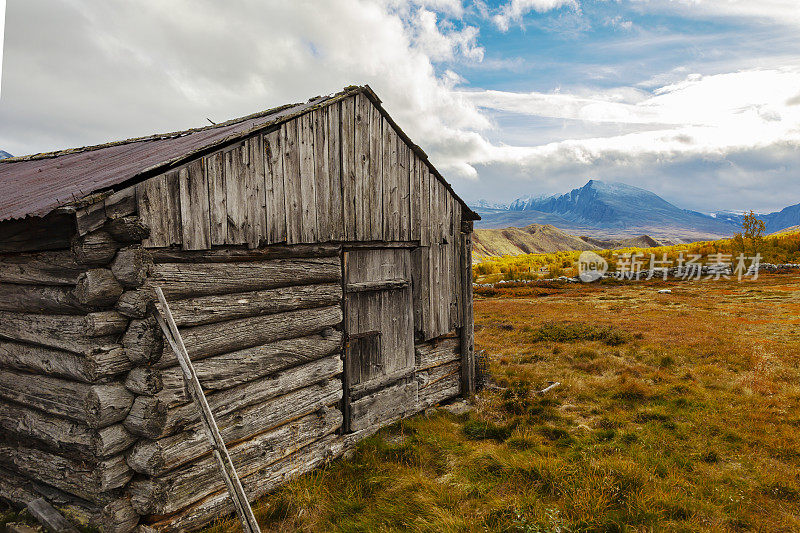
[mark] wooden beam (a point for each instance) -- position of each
(219, 308)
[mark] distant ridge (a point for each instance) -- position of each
(538, 238)
(4, 154)
(619, 211)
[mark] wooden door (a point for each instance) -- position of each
(379, 324)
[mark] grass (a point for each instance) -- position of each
(688, 420)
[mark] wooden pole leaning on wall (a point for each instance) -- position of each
(220, 451)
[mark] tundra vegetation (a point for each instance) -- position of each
(779, 248)
(676, 412)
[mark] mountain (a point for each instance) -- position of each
(4, 154)
(488, 206)
(610, 210)
(785, 218)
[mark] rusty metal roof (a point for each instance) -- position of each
(35, 185)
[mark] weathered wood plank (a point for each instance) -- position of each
(375, 186)
(213, 339)
(181, 415)
(437, 352)
(425, 204)
(234, 254)
(171, 199)
(195, 208)
(291, 181)
(308, 195)
(41, 299)
(333, 114)
(256, 484)
(385, 285)
(349, 195)
(63, 436)
(391, 199)
(218, 308)
(236, 196)
(180, 488)
(91, 217)
(85, 479)
(74, 333)
(235, 368)
(322, 175)
(273, 176)
(91, 367)
(185, 279)
(156, 457)
(438, 384)
(257, 196)
(415, 195)
(362, 166)
(384, 406)
(217, 197)
(404, 189)
(94, 405)
(53, 232)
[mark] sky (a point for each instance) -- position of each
(696, 100)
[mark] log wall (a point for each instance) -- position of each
(63, 401)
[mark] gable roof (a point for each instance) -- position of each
(37, 184)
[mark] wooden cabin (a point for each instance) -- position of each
(318, 267)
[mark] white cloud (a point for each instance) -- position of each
(445, 45)
(84, 71)
(699, 116)
(514, 10)
(784, 12)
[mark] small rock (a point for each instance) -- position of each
(665, 291)
(457, 408)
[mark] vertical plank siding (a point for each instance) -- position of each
(291, 181)
(215, 172)
(362, 169)
(339, 173)
(275, 197)
(374, 187)
(194, 206)
(334, 126)
(348, 142)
